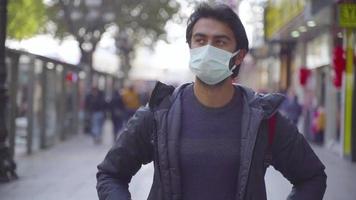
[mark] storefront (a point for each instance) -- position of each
(319, 110)
(307, 66)
(265, 64)
(280, 16)
(347, 21)
(320, 66)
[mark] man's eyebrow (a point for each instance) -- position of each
(222, 37)
(199, 35)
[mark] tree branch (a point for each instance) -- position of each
(68, 20)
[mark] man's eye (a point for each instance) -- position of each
(220, 43)
(200, 41)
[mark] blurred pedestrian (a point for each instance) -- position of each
(211, 139)
(117, 110)
(291, 107)
(96, 105)
(318, 125)
(131, 100)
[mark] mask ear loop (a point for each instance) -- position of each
(233, 55)
(233, 68)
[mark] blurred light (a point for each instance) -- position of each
(75, 15)
(302, 29)
(110, 16)
(340, 35)
(59, 68)
(295, 34)
(87, 46)
(50, 66)
(81, 75)
(96, 33)
(81, 31)
(311, 23)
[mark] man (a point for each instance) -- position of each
(209, 140)
(117, 110)
(96, 105)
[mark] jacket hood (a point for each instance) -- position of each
(268, 103)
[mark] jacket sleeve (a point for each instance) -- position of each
(132, 148)
(295, 159)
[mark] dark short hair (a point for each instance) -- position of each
(225, 14)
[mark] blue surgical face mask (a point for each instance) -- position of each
(211, 64)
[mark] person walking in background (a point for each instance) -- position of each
(95, 104)
(318, 125)
(117, 110)
(291, 107)
(211, 139)
(131, 100)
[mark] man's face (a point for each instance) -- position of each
(213, 32)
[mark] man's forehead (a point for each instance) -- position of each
(212, 27)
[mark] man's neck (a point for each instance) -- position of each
(214, 96)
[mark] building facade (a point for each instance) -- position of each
(306, 52)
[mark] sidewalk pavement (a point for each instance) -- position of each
(341, 182)
(67, 171)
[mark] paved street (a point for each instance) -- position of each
(67, 171)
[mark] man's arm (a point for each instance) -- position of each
(295, 159)
(132, 149)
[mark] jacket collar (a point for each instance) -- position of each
(266, 103)
(256, 107)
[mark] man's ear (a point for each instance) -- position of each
(240, 56)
